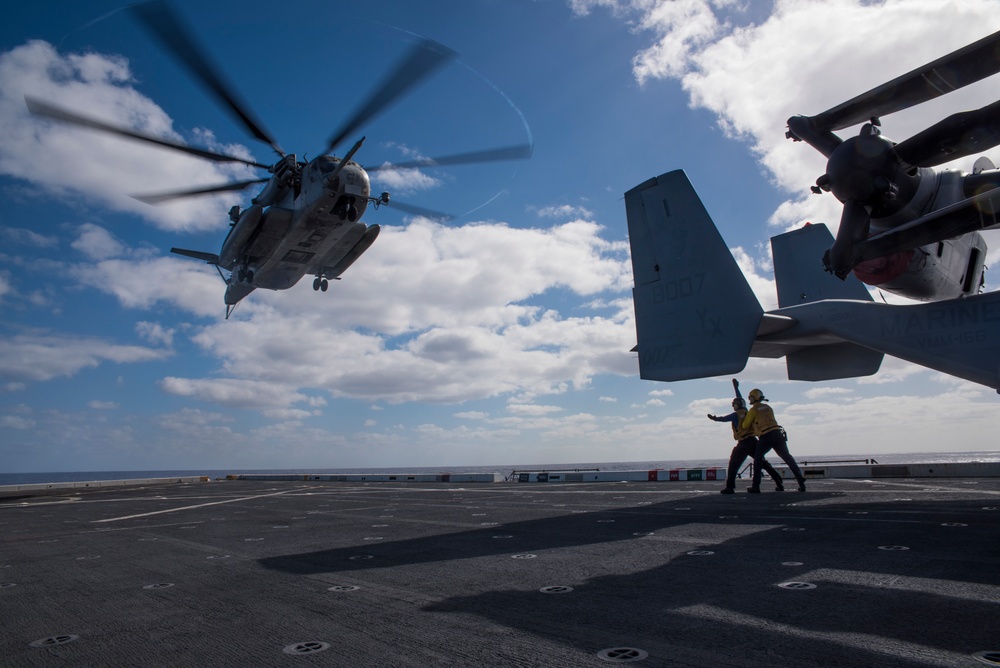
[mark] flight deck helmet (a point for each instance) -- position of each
(756, 396)
(738, 404)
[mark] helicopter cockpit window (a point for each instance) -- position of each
(328, 166)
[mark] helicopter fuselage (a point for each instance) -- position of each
(308, 222)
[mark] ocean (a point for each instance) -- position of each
(504, 469)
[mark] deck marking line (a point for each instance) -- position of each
(200, 505)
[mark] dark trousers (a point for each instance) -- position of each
(774, 440)
(746, 448)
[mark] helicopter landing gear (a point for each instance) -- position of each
(320, 284)
(244, 275)
(346, 208)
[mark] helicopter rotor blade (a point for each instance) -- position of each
(960, 68)
(39, 108)
(957, 136)
(519, 152)
(420, 211)
(162, 22)
(423, 59)
(225, 187)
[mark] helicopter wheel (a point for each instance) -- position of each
(316, 284)
(323, 285)
(249, 276)
(241, 275)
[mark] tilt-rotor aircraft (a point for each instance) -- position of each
(905, 228)
(307, 218)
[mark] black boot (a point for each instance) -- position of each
(753, 490)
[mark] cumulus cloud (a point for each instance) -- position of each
(72, 162)
(41, 356)
(97, 243)
(565, 211)
(21, 236)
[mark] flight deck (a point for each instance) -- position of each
(901, 572)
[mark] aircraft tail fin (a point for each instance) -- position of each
(799, 272)
(695, 313)
(800, 278)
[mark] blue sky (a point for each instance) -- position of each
(500, 337)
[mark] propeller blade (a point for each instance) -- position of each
(420, 211)
(854, 224)
(162, 22)
(39, 108)
(177, 194)
(951, 72)
(519, 152)
(980, 212)
(420, 62)
(957, 136)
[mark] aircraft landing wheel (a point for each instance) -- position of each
(316, 284)
(323, 285)
(249, 276)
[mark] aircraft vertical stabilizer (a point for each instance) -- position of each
(695, 313)
(800, 278)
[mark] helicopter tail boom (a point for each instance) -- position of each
(697, 317)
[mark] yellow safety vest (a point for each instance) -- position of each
(739, 431)
(761, 418)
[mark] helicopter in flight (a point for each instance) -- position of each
(307, 219)
(905, 227)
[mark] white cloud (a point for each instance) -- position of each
(97, 243)
(566, 211)
(532, 409)
(235, 393)
(472, 415)
(71, 162)
(402, 181)
(44, 356)
(25, 237)
(818, 392)
(155, 333)
(805, 57)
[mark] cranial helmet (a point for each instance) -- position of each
(756, 396)
(738, 404)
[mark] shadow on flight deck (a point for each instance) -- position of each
(869, 599)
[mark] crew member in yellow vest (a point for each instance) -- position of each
(770, 436)
(746, 443)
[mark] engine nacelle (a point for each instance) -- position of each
(944, 270)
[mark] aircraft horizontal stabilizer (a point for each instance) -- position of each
(695, 313)
(960, 337)
(800, 278)
(210, 258)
